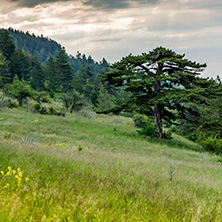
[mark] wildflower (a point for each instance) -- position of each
(2, 173)
(9, 168)
(20, 174)
(26, 179)
(8, 173)
(16, 176)
(14, 171)
(18, 169)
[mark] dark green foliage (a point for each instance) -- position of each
(5, 75)
(44, 110)
(212, 144)
(84, 74)
(36, 108)
(162, 83)
(21, 65)
(38, 46)
(64, 71)
(52, 75)
(7, 46)
(167, 135)
(37, 75)
(73, 101)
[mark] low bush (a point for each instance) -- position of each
(8, 102)
(212, 144)
(145, 124)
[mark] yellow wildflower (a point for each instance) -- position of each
(2, 173)
(14, 171)
(9, 168)
(26, 179)
(16, 176)
(8, 173)
(20, 174)
(18, 169)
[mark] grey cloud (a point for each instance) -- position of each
(104, 4)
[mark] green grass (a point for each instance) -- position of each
(99, 169)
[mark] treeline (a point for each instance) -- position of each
(60, 74)
(44, 47)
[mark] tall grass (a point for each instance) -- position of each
(99, 169)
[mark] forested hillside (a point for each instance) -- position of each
(44, 65)
(162, 86)
(44, 47)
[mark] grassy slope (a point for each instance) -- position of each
(117, 176)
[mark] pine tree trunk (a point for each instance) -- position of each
(158, 121)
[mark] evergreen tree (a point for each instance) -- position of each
(105, 101)
(6, 45)
(21, 65)
(161, 82)
(95, 90)
(64, 71)
(5, 75)
(76, 84)
(84, 74)
(52, 75)
(37, 75)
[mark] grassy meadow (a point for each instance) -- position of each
(75, 168)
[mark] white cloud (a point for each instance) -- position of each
(186, 26)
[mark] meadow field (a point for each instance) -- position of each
(98, 168)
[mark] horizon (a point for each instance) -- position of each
(113, 30)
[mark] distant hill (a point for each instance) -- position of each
(38, 46)
(44, 47)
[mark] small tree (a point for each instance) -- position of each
(18, 89)
(73, 101)
(104, 99)
(161, 82)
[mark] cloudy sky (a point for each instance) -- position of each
(115, 28)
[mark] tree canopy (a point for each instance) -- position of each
(162, 82)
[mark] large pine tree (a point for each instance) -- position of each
(64, 71)
(162, 82)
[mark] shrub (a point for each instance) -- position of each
(173, 129)
(193, 136)
(167, 135)
(5, 102)
(44, 110)
(211, 144)
(36, 108)
(147, 127)
(52, 111)
(141, 120)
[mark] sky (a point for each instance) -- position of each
(115, 28)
